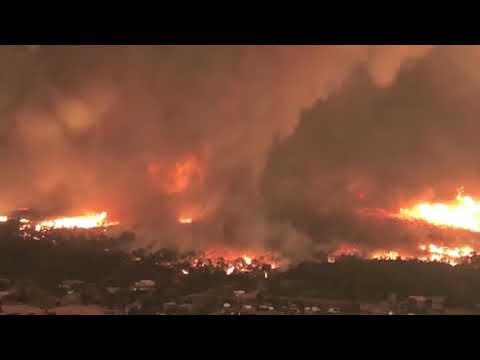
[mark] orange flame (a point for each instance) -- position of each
(247, 259)
(462, 214)
(452, 256)
(230, 270)
(88, 221)
(447, 255)
(390, 255)
(185, 220)
(3, 218)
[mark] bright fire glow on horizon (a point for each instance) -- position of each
(88, 221)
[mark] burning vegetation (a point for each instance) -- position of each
(36, 229)
(243, 161)
(450, 227)
(88, 221)
(232, 263)
(464, 213)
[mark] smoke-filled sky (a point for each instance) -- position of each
(265, 146)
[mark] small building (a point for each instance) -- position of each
(202, 301)
(71, 299)
(334, 311)
(170, 308)
(71, 284)
(112, 289)
(185, 309)
(144, 285)
(5, 284)
(417, 304)
(392, 299)
(438, 302)
(133, 307)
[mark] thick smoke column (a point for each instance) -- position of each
(373, 147)
(152, 132)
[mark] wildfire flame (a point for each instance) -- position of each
(247, 259)
(230, 270)
(185, 220)
(447, 255)
(3, 218)
(88, 221)
(390, 255)
(462, 214)
(185, 272)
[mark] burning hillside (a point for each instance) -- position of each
(232, 263)
(36, 228)
(464, 213)
(443, 232)
(281, 148)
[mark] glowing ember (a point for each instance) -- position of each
(230, 270)
(3, 218)
(185, 220)
(247, 259)
(185, 272)
(88, 221)
(265, 274)
(462, 214)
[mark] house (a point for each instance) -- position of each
(112, 289)
(71, 284)
(438, 303)
(185, 309)
(143, 285)
(334, 311)
(71, 299)
(239, 293)
(392, 299)
(417, 303)
(133, 307)
(170, 308)
(201, 301)
(5, 294)
(5, 284)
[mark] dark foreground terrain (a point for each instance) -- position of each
(82, 274)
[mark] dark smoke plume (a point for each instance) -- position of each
(265, 146)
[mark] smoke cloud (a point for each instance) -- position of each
(264, 146)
